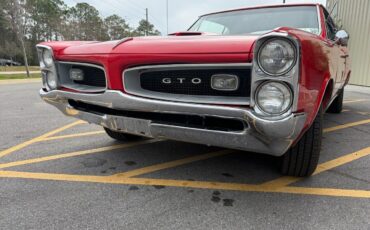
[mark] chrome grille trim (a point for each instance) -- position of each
(132, 85)
(65, 81)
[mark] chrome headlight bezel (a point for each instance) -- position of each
(288, 105)
(294, 59)
(290, 78)
(48, 68)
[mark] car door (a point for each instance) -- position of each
(339, 53)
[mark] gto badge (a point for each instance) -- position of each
(180, 80)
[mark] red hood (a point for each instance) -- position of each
(160, 45)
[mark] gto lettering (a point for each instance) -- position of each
(195, 81)
(166, 80)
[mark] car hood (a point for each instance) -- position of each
(164, 45)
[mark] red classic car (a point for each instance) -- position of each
(255, 79)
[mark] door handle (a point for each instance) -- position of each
(344, 56)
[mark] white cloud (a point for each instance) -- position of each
(182, 13)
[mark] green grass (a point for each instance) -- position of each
(19, 76)
(18, 68)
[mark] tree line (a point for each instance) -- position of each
(24, 23)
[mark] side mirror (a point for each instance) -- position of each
(341, 38)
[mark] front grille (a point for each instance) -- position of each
(192, 121)
(92, 76)
(181, 82)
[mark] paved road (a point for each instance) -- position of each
(56, 173)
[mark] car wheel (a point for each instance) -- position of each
(337, 105)
(122, 136)
(302, 159)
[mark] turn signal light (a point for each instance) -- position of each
(76, 74)
(224, 82)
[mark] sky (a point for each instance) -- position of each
(182, 13)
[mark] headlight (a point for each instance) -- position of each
(274, 98)
(51, 80)
(277, 56)
(48, 67)
(47, 58)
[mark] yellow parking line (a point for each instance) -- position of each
(37, 139)
(73, 135)
(353, 101)
(285, 181)
(358, 112)
(172, 164)
(348, 125)
(175, 163)
(74, 154)
(325, 192)
(102, 132)
(342, 160)
(187, 184)
(363, 113)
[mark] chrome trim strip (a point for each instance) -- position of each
(319, 19)
(82, 88)
(220, 65)
(83, 64)
(131, 82)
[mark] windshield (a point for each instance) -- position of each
(259, 21)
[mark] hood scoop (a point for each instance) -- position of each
(186, 33)
(191, 33)
(122, 41)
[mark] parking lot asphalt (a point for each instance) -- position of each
(60, 173)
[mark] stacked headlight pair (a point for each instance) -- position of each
(275, 58)
(48, 69)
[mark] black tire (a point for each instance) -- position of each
(337, 105)
(302, 159)
(122, 136)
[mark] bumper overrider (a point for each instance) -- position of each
(272, 137)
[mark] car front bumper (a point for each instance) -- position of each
(272, 137)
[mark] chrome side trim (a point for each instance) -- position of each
(319, 20)
(131, 80)
(66, 82)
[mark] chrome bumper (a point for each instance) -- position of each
(272, 137)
